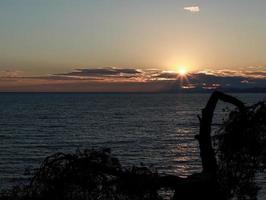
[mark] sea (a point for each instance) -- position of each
(153, 129)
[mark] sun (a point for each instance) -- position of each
(182, 71)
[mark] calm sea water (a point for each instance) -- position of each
(156, 129)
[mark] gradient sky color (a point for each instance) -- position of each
(53, 36)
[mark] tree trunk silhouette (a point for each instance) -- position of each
(209, 164)
(197, 186)
(204, 185)
(81, 170)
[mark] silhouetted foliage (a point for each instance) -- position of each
(86, 175)
(241, 151)
(230, 159)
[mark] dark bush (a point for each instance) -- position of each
(240, 152)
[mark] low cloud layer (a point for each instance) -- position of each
(103, 72)
(132, 80)
(10, 73)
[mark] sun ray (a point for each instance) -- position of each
(182, 71)
(182, 76)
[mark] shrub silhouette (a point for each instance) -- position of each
(241, 151)
(91, 174)
(230, 160)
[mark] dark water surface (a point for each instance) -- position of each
(155, 129)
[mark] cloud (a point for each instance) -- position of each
(120, 74)
(192, 9)
(257, 74)
(216, 78)
(167, 75)
(238, 73)
(132, 80)
(103, 73)
(257, 67)
(10, 73)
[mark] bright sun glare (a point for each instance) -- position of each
(182, 71)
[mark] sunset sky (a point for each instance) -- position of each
(49, 44)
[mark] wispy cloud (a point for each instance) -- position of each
(257, 74)
(10, 73)
(109, 73)
(131, 79)
(103, 72)
(193, 9)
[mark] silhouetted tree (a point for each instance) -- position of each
(230, 160)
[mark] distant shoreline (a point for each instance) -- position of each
(259, 91)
